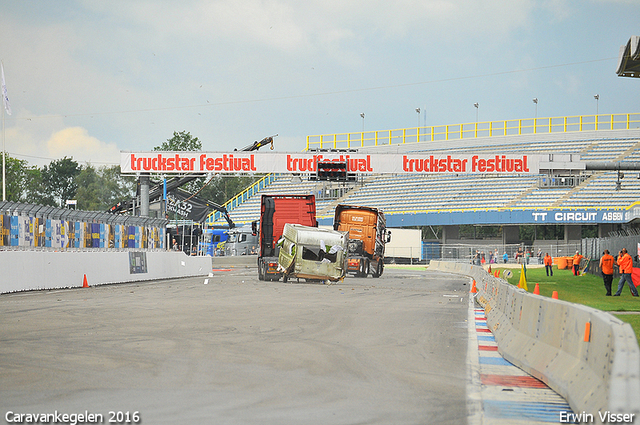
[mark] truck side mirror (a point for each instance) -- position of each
(254, 228)
(388, 236)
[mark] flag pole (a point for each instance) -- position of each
(4, 178)
(5, 100)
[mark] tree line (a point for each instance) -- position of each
(99, 188)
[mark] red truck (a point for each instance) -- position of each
(275, 212)
(367, 238)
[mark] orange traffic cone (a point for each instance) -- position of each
(473, 288)
(489, 268)
(554, 295)
(84, 282)
(536, 290)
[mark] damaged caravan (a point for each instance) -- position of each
(312, 253)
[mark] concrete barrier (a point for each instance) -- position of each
(30, 270)
(588, 356)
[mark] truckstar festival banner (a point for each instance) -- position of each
(305, 162)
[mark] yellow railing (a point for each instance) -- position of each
(216, 216)
(472, 130)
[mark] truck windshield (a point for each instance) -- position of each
(237, 237)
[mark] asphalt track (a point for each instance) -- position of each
(241, 351)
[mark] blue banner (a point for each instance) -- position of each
(15, 230)
(502, 217)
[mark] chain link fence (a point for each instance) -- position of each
(493, 253)
(593, 247)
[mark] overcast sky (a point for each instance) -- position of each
(91, 78)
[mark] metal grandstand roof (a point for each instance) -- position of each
(629, 58)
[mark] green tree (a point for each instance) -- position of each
(59, 179)
(181, 142)
(470, 231)
(99, 189)
(33, 189)
(88, 194)
(16, 171)
(589, 231)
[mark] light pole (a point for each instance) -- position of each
(362, 134)
(477, 107)
(418, 126)
(535, 118)
(597, 98)
(425, 116)
(362, 115)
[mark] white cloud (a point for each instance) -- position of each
(77, 143)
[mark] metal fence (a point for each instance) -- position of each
(593, 247)
(467, 252)
(590, 248)
(30, 226)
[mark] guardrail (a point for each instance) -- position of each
(477, 129)
(587, 356)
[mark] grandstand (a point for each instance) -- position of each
(492, 199)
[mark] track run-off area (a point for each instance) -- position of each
(230, 349)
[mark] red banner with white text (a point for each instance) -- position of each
(302, 162)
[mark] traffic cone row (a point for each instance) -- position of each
(536, 290)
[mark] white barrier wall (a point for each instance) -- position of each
(597, 370)
(29, 270)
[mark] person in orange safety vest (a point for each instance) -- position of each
(625, 262)
(576, 263)
(548, 264)
(606, 266)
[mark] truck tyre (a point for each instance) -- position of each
(362, 272)
(260, 270)
(379, 269)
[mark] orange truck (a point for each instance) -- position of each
(367, 238)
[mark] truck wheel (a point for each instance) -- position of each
(362, 272)
(379, 269)
(260, 270)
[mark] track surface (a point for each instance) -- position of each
(241, 351)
